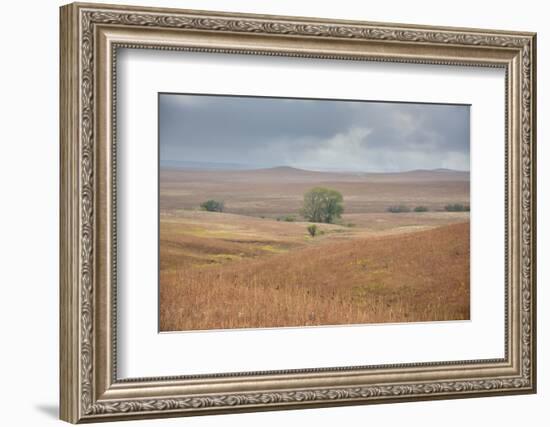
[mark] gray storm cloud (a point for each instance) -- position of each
(314, 134)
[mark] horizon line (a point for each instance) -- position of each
(245, 167)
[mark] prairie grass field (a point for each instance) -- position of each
(255, 265)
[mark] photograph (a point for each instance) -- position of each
(293, 212)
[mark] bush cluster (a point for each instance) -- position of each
(212, 206)
(399, 209)
(421, 209)
(457, 207)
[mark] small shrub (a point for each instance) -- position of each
(399, 209)
(421, 209)
(212, 206)
(312, 230)
(457, 207)
(289, 218)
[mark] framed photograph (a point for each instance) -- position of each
(266, 212)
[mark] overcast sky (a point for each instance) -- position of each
(314, 134)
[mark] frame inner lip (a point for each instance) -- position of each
(342, 370)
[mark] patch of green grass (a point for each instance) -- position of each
(338, 230)
(287, 218)
(210, 232)
(225, 257)
(273, 249)
(206, 261)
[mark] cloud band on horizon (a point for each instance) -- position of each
(341, 135)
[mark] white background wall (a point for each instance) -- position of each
(29, 171)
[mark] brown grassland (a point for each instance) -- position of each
(243, 268)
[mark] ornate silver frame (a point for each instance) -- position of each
(90, 36)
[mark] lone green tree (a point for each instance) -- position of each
(322, 205)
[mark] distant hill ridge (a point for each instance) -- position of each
(420, 174)
(290, 170)
(290, 174)
(193, 165)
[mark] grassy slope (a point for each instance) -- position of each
(226, 271)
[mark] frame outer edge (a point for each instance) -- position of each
(69, 354)
(305, 19)
(77, 338)
(534, 269)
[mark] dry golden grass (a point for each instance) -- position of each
(244, 269)
(221, 271)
